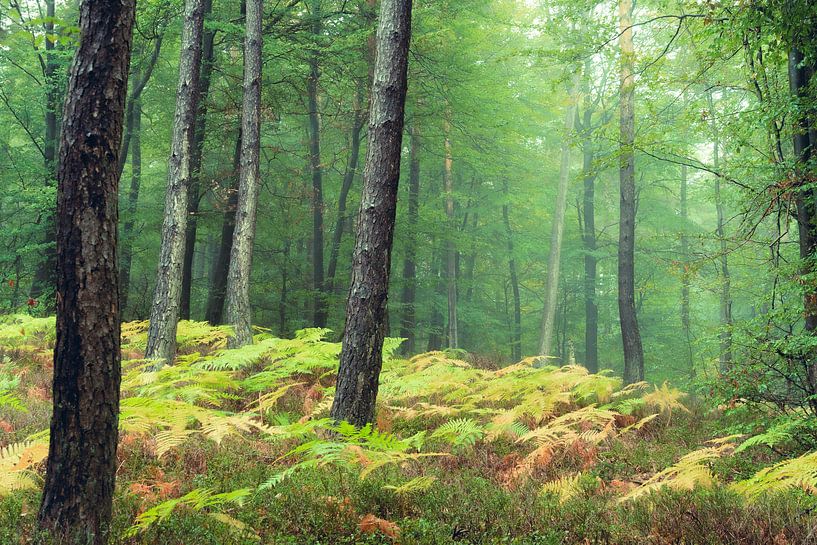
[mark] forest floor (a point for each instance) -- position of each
(234, 447)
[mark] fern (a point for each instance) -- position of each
(16, 463)
(797, 473)
(460, 433)
(564, 488)
(418, 484)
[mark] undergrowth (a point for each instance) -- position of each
(235, 446)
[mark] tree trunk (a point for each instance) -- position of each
(80, 473)
(194, 189)
(436, 320)
(450, 245)
(408, 321)
(557, 230)
(44, 279)
(685, 273)
(164, 312)
(516, 335)
(239, 311)
(362, 353)
(312, 83)
(591, 309)
(348, 179)
(133, 201)
(218, 281)
(630, 335)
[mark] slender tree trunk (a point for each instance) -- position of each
(685, 273)
(516, 334)
(348, 179)
(450, 245)
(591, 309)
(130, 212)
(436, 319)
(312, 84)
(362, 352)
(556, 233)
(630, 335)
(194, 189)
(805, 137)
(283, 302)
(79, 484)
(164, 312)
(218, 282)
(239, 311)
(408, 321)
(44, 276)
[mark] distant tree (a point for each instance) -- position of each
(164, 312)
(80, 473)
(630, 334)
(362, 353)
(239, 311)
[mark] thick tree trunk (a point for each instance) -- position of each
(516, 333)
(221, 266)
(362, 353)
(450, 245)
(591, 309)
(194, 189)
(79, 483)
(408, 320)
(239, 311)
(44, 277)
(130, 211)
(685, 273)
(312, 83)
(556, 233)
(630, 334)
(164, 312)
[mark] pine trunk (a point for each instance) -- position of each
(362, 353)
(516, 333)
(685, 273)
(194, 189)
(164, 312)
(239, 311)
(79, 484)
(630, 335)
(591, 309)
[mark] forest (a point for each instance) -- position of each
(529, 272)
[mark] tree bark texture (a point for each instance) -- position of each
(194, 188)
(164, 312)
(630, 334)
(362, 353)
(239, 310)
(450, 244)
(133, 201)
(80, 473)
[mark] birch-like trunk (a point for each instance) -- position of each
(239, 310)
(164, 312)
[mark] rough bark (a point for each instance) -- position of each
(164, 312)
(221, 266)
(366, 309)
(630, 334)
(239, 310)
(556, 235)
(408, 320)
(194, 188)
(516, 332)
(133, 201)
(450, 244)
(80, 473)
